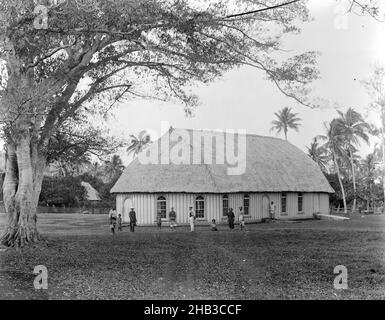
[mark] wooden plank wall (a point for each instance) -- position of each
(145, 206)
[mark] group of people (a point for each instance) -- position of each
(172, 218)
(116, 220)
(231, 218)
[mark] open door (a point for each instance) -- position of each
(316, 203)
(265, 207)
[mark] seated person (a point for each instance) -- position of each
(214, 225)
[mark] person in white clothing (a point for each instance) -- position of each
(241, 218)
(192, 218)
(272, 210)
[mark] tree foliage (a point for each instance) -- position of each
(319, 155)
(138, 143)
(60, 191)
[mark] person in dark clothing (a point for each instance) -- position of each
(120, 223)
(133, 220)
(159, 220)
(214, 225)
(231, 219)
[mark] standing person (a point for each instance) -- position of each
(120, 223)
(192, 218)
(133, 220)
(241, 218)
(231, 218)
(159, 220)
(173, 219)
(113, 220)
(272, 210)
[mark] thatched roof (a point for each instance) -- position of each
(272, 165)
(91, 193)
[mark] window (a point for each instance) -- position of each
(300, 202)
(200, 207)
(162, 207)
(284, 203)
(246, 204)
(225, 205)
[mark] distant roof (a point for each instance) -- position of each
(272, 165)
(92, 193)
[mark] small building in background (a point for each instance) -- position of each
(275, 171)
(92, 195)
(92, 199)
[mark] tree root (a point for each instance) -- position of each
(20, 237)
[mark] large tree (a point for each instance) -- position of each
(79, 57)
(334, 143)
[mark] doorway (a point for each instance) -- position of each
(265, 207)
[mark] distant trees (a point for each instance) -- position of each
(376, 90)
(60, 191)
(338, 159)
(114, 167)
(286, 120)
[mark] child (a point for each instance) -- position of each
(214, 225)
(120, 223)
(172, 219)
(192, 219)
(241, 218)
(159, 220)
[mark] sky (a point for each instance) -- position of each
(350, 46)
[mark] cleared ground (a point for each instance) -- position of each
(269, 261)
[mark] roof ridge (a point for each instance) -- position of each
(223, 131)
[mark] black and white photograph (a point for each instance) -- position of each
(175, 151)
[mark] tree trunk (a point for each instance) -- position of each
(22, 187)
(341, 184)
(383, 156)
(354, 180)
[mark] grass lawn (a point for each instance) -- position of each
(270, 261)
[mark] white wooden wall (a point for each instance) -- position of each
(145, 206)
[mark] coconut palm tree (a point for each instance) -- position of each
(319, 155)
(113, 167)
(367, 171)
(354, 129)
(286, 120)
(138, 143)
(334, 143)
